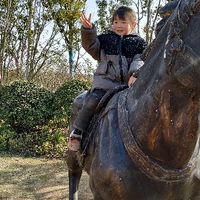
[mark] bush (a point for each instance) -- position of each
(7, 136)
(55, 137)
(64, 96)
(24, 106)
(53, 143)
(24, 109)
(34, 120)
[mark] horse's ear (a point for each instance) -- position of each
(165, 13)
(168, 8)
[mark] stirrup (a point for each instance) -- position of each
(74, 143)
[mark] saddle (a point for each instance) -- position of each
(77, 105)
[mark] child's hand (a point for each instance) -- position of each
(131, 80)
(86, 21)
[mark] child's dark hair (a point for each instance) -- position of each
(122, 12)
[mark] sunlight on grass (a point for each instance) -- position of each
(36, 178)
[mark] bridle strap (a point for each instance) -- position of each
(174, 44)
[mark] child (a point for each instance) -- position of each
(118, 53)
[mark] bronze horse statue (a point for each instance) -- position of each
(146, 143)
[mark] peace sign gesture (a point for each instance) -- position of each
(86, 21)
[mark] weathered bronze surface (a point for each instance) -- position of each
(146, 145)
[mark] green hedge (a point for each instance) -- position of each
(25, 106)
(64, 97)
(34, 120)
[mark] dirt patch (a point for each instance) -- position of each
(35, 178)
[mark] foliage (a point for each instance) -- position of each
(64, 97)
(26, 41)
(7, 136)
(24, 109)
(53, 142)
(54, 136)
(34, 120)
(24, 106)
(44, 141)
(66, 15)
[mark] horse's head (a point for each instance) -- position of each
(175, 52)
(182, 52)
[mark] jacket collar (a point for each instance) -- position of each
(131, 34)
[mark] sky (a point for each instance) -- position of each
(91, 7)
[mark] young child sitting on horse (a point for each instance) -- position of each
(118, 53)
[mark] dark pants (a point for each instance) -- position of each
(85, 114)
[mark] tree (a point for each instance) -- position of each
(148, 16)
(5, 27)
(66, 14)
(25, 37)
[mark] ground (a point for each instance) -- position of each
(36, 179)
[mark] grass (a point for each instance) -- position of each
(23, 178)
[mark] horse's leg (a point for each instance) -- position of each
(74, 173)
(74, 179)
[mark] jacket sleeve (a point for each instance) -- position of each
(135, 66)
(90, 42)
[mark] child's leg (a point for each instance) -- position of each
(83, 119)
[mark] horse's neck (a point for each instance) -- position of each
(163, 113)
(165, 122)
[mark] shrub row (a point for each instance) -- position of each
(34, 120)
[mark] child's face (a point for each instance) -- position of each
(123, 27)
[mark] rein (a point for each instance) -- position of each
(148, 166)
